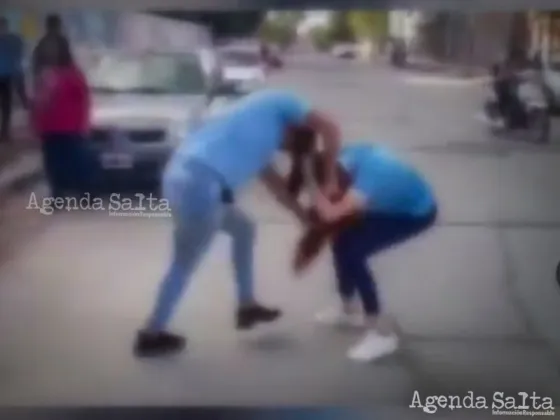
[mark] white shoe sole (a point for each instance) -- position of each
(355, 356)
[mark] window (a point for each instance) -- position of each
(240, 58)
(149, 74)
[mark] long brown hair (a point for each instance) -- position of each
(303, 146)
(316, 237)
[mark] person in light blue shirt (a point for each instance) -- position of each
(11, 57)
(394, 203)
(214, 162)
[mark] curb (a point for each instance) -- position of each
(20, 174)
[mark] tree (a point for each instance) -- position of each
(278, 33)
(369, 25)
(291, 19)
(321, 38)
(339, 28)
(221, 24)
(280, 28)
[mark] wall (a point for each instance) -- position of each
(545, 34)
(473, 39)
(404, 24)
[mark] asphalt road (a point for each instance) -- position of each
(475, 300)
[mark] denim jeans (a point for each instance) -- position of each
(195, 195)
(376, 233)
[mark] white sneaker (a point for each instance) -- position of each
(373, 346)
(338, 318)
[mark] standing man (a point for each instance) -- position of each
(11, 75)
(50, 46)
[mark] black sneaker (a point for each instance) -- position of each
(249, 316)
(149, 344)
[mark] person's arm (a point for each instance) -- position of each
(276, 185)
(36, 59)
(19, 49)
(83, 94)
(353, 202)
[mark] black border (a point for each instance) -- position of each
(230, 5)
(148, 413)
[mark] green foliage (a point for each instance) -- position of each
(321, 37)
(222, 24)
(290, 19)
(339, 29)
(369, 24)
(276, 32)
(280, 28)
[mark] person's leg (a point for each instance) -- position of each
(5, 107)
(21, 90)
(51, 162)
(345, 313)
(79, 167)
(352, 250)
(66, 162)
(242, 231)
(196, 215)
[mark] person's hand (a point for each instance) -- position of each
(331, 189)
(324, 208)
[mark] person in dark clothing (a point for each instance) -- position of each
(505, 84)
(61, 114)
(384, 202)
(11, 75)
(50, 46)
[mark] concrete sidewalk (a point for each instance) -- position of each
(20, 160)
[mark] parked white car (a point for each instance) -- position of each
(143, 106)
(242, 66)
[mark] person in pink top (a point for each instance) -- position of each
(61, 116)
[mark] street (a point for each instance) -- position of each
(475, 299)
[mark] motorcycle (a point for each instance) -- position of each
(398, 54)
(536, 113)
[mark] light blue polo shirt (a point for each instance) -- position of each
(239, 144)
(389, 184)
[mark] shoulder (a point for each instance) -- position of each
(275, 98)
(357, 149)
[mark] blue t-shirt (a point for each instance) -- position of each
(389, 184)
(239, 144)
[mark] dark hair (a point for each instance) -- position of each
(317, 161)
(318, 166)
(304, 140)
(303, 145)
(53, 21)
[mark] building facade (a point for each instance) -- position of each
(545, 34)
(476, 39)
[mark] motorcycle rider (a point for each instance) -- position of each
(505, 84)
